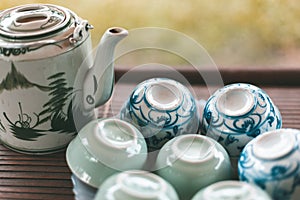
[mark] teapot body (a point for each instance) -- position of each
(41, 50)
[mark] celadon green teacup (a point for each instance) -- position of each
(231, 190)
(192, 162)
(104, 147)
(136, 185)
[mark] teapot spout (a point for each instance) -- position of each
(99, 79)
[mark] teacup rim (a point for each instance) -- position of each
(76, 170)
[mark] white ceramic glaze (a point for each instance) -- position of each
(104, 147)
(193, 150)
(192, 162)
(235, 102)
(161, 109)
(136, 185)
(48, 85)
(164, 96)
(274, 146)
(272, 161)
(237, 113)
(231, 190)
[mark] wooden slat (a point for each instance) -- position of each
(31, 162)
(34, 177)
(35, 196)
(36, 182)
(287, 76)
(25, 157)
(32, 174)
(40, 168)
(33, 190)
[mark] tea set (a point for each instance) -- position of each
(51, 83)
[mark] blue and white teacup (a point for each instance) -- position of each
(272, 161)
(161, 109)
(237, 113)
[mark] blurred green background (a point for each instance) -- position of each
(235, 33)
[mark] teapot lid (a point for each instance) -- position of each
(34, 20)
(36, 31)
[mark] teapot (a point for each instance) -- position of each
(50, 81)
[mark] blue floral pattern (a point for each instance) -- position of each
(234, 132)
(279, 176)
(160, 125)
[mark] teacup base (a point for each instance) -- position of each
(231, 190)
(236, 102)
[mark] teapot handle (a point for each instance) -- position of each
(78, 31)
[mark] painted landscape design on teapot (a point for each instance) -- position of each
(25, 126)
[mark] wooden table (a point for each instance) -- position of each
(48, 176)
